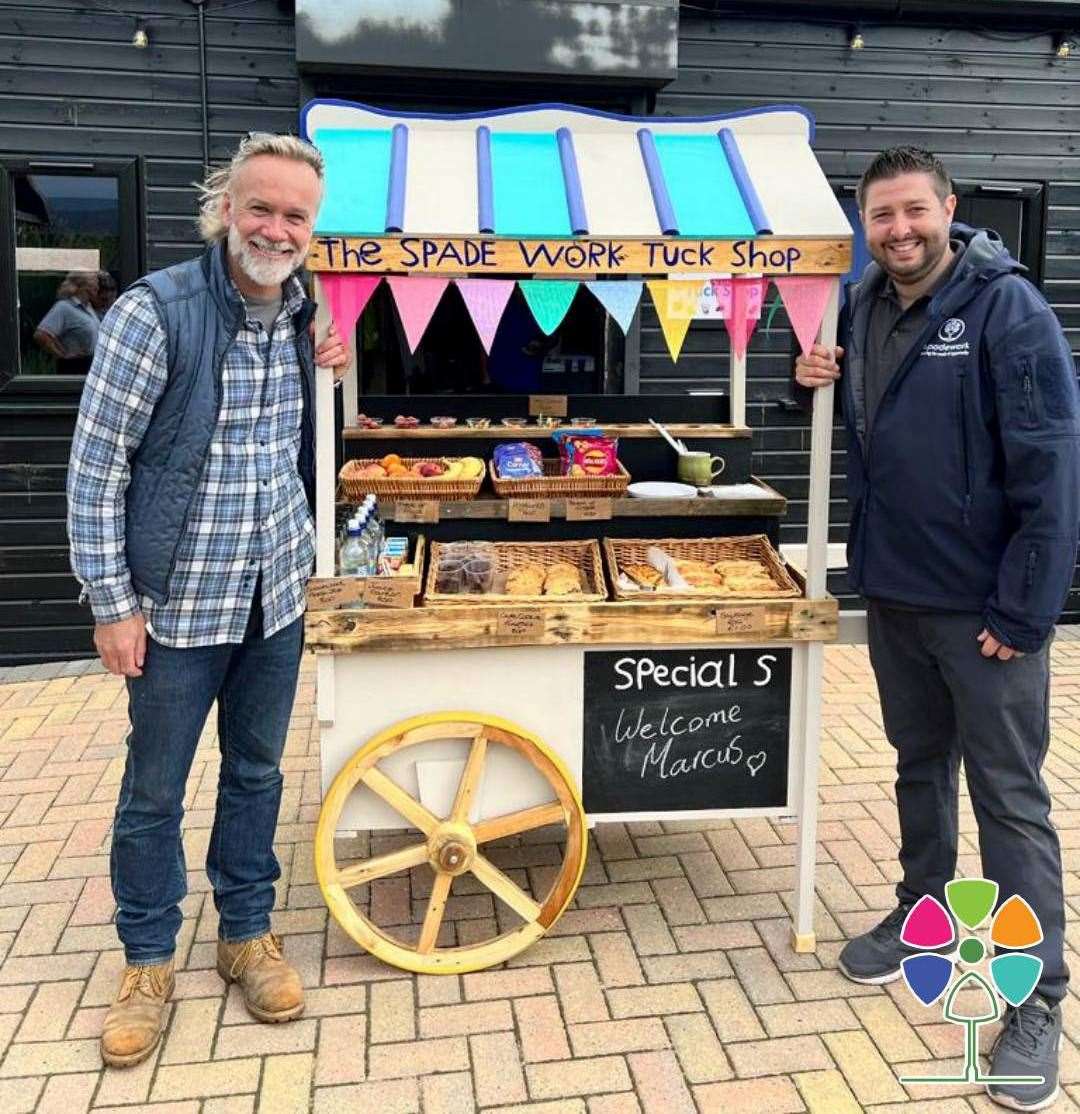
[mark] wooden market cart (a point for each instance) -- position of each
(479, 723)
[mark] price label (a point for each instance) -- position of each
(529, 510)
(332, 591)
(740, 620)
(389, 591)
(587, 510)
(547, 406)
(520, 622)
(416, 510)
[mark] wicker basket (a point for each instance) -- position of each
(583, 555)
(632, 551)
(554, 485)
(355, 486)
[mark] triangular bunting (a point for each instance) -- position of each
(549, 301)
(346, 296)
(722, 294)
(485, 300)
(416, 299)
(805, 298)
(620, 299)
(747, 298)
(675, 302)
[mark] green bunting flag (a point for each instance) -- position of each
(549, 300)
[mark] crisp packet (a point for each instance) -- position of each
(517, 460)
(591, 456)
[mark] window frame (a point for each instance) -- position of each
(130, 177)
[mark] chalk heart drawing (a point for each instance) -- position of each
(942, 937)
(755, 762)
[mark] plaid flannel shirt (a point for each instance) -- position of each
(249, 516)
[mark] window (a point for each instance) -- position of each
(1014, 210)
(71, 238)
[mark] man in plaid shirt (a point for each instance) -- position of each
(189, 498)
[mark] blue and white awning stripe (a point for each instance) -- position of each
(554, 171)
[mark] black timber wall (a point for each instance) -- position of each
(72, 85)
(994, 108)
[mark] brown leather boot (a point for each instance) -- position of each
(135, 1020)
(271, 988)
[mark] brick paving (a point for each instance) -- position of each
(669, 985)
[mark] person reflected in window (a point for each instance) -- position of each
(69, 331)
(106, 294)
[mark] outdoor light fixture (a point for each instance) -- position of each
(856, 42)
(140, 40)
(1063, 46)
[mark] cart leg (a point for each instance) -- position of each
(809, 662)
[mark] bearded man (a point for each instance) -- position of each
(190, 493)
(960, 399)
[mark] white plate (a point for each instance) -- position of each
(658, 489)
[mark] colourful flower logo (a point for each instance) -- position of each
(1014, 975)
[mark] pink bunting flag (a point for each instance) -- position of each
(747, 298)
(486, 301)
(805, 298)
(346, 297)
(416, 297)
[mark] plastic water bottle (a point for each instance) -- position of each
(352, 551)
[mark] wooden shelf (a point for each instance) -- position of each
(493, 508)
(634, 623)
(497, 432)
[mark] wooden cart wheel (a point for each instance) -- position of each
(451, 846)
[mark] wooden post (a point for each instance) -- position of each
(325, 483)
(809, 660)
(350, 388)
(738, 389)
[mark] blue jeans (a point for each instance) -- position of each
(254, 683)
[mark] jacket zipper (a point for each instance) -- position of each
(1029, 396)
(1032, 562)
(964, 452)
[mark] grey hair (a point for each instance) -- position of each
(218, 182)
(76, 282)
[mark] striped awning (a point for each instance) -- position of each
(552, 171)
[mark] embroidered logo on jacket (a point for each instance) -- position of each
(949, 334)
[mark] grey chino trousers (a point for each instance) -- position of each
(942, 701)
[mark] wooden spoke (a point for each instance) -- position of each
(505, 888)
(359, 873)
(470, 779)
(513, 823)
(433, 918)
(398, 799)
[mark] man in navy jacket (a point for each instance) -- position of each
(960, 399)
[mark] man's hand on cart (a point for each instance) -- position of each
(333, 352)
(820, 367)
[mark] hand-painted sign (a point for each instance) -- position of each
(491, 255)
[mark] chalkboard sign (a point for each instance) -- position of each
(676, 730)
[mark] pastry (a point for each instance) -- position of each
(525, 580)
(644, 576)
(698, 574)
(734, 566)
(562, 579)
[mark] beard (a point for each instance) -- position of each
(263, 271)
(926, 256)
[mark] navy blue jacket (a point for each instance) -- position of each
(201, 313)
(965, 494)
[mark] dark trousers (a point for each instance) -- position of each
(254, 683)
(942, 701)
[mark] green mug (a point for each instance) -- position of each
(697, 468)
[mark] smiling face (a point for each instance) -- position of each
(270, 211)
(907, 226)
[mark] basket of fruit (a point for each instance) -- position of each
(393, 476)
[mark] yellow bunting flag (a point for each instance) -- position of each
(676, 302)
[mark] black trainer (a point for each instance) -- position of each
(875, 956)
(1029, 1044)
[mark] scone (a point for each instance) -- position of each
(562, 579)
(525, 580)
